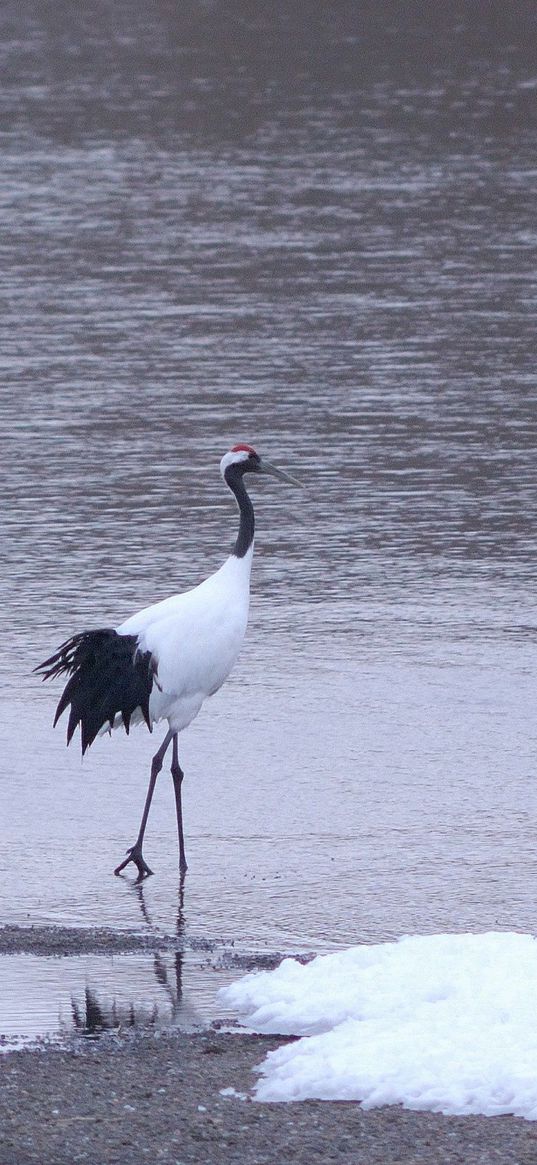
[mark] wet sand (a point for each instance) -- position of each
(130, 1096)
(65, 941)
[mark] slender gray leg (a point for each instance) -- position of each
(135, 852)
(177, 777)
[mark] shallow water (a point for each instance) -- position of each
(316, 234)
(90, 995)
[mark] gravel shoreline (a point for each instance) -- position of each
(158, 1098)
(155, 1095)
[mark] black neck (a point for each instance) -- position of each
(234, 479)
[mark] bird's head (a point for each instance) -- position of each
(243, 459)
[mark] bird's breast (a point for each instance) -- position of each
(194, 639)
(194, 656)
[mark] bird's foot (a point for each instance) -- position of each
(134, 854)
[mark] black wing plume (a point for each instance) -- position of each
(108, 675)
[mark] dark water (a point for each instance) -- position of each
(313, 228)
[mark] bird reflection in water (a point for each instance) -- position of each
(95, 1016)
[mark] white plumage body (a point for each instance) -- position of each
(195, 639)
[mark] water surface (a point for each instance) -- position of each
(315, 233)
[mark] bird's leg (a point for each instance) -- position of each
(177, 777)
(134, 853)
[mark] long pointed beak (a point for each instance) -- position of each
(266, 467)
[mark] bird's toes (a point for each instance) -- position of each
(125, 861)
(134, 854)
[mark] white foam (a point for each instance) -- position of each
(440, 1022)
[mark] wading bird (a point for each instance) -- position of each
(163, 662)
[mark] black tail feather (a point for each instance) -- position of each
(109, 676)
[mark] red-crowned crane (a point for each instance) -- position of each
(163, 662)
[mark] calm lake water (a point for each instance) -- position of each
(316, 233)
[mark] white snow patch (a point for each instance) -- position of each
(440, 1022)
